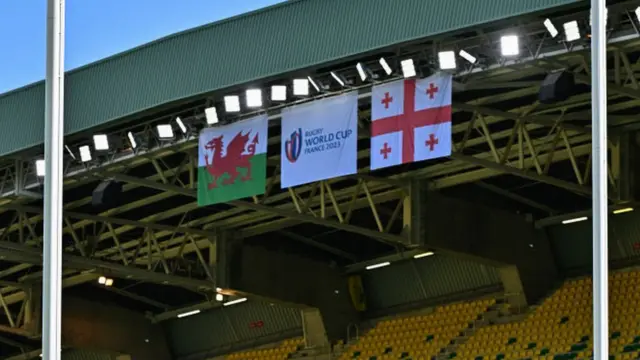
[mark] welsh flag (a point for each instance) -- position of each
(232, 161)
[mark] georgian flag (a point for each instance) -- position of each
(411, 121)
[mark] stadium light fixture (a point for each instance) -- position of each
(315, 83)
(40, 168)
(212, 115)
(363, 72)
(623, 210)
(571, 30)
(165, 131)
(233, 302)
(465, 55)
(219, 297)
(447, 60)
(254, 98)
(85, 153)
(574, 220)
(638, 13)
(385, 66)
(338, 78)
(301, 87)
(103, 280)
(278, 93)
(509, 45)
(232, 103)
(188, 313)
(422, 255)
(550, 28)
(408, 68)
(181, 125)
(101, 142)
(377, 266)
(73, 156)
(132, 140)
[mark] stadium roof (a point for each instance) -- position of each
(291, 36)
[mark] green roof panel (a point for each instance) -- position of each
(293, 35)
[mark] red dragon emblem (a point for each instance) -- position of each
(234, 159)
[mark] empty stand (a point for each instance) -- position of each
(281, 352)
(417, 337)
(561, 327)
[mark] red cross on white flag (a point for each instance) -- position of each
(410, 121)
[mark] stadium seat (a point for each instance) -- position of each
(281, 352)
(418, 336)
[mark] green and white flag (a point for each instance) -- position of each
(232, 161)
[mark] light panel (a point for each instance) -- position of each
(551, 28)
(85, 153)
(509, 45)
(232, 103)
(385, 66)
(181, 125)
(101, 142)
(362, 72)
(338, 78)
(188, 313)
(254, 98)
(638, 13)
(236, 301)
(300, 87)
(212, 115)
(165, 131)
(40, 167)
(379, 265)
(73, 156)
(574, 220)
(408, 68)
(424, 254)
(132, 140)
(623, 210)
(465, 55)
(278, 93)
(314, 83)
(447, 60)
(571, 30)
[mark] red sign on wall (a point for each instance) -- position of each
(256, 324)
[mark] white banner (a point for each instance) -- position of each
(320, 140)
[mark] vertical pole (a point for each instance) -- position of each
(53, 147)
(600, 213)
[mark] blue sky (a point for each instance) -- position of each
(97, 28)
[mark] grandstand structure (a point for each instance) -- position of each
(481, 255)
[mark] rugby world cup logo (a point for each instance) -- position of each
(293, 146)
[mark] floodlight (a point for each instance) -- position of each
(236, 301)
(339, 79)
(447, 60)
(102, 280)
(300, 87)
(212, 115)
(85, 153)
(638, 13)
(379, 265)
(385, 66)
(73, 156)
(465, 55)
(278, 93)
(101, 142)
(219, 297)
(254, 98)
(315, 84)
(40, 167)
(509, 45)
(132, 140)
(362, 72)
(572, 30)
(165, 131)
(109, 282)
(181, 125)
(408, 68)
(551, 28)
(188, 313)
(232, 103)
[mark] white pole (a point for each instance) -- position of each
(599, 177)
(53, 150)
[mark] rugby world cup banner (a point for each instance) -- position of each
(320, 140)
(232, 161)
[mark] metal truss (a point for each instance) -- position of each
(525, 141)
